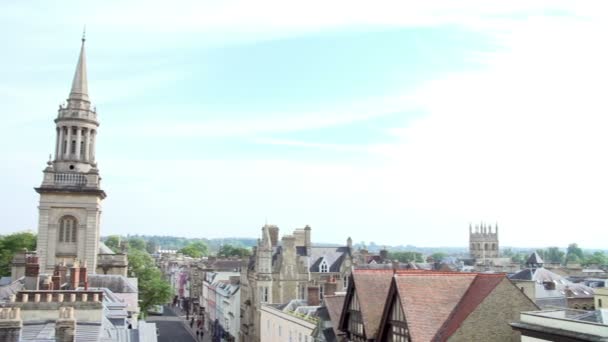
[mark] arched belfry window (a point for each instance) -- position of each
(67, 229)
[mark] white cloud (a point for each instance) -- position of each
(520, 142)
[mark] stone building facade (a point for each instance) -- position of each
(292, 268)
(483, 243)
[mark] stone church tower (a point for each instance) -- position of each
(70, 194)
(483, 243)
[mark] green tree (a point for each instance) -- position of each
(519, 257)
(227, 251)
(151, 247)
(10, 244)
(113, 242)
(137, 243)
(553, 255)
(196, 249)
(597, 258)
(574, 254)
(438, 256)
(153, 290)
(406, 256)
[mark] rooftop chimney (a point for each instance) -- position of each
(83, 279)
(331, 287)
(74, 276)
(10, 324)
(32, 273)
(313, 296)
(274, 235)
(60, 275)
(307, 242)
(65, 326)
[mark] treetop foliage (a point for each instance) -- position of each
(11, 244)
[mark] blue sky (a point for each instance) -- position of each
(394, 123)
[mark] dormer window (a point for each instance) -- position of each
(324, 267)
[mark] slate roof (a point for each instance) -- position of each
(540, 274)
(45, 331)
(115, 283)
(371, 287)
(534, 259)
(11, 289)
(103, 249)
(333, 255)
(226, 264)
(334, 305)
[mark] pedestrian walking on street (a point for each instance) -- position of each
(192, 323)
(198, 334)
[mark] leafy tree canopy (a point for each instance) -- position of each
(153, 290)
(196, 249)
(227, 251)
(438, 256)
(12, 243)
(137, 243)
(406, 256)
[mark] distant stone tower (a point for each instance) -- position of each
(483, 243)
(70, 194)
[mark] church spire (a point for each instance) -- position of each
(80, 89)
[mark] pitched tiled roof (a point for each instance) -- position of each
(334, 305)
(477, 292)
(371, 287)
(428, 299)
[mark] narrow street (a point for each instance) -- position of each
(174, 328)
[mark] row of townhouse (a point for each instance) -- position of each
(220, 304)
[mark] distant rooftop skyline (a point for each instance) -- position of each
(398, 124)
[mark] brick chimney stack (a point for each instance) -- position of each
(60, 275)
(10, 324)
(313, 296)
(65, 326)
(83, 279)
(74, 275)
(331, 287)
(32, 273)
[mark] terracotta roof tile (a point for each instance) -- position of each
(428, 299)
(372, 289)
(334, 305)
(481, 287)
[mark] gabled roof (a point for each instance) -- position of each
(371, 288)
(334, 305)
(480, 288)
(436, 303)
(428, 299)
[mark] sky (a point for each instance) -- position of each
(393, 122)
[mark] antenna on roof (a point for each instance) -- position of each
(84, 33)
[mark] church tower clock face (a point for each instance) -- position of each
(70, 193)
